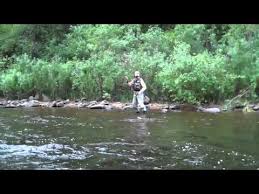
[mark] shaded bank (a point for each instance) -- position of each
(106, 105)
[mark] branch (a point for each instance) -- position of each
(239, 95)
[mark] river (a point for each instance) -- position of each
(67, 138)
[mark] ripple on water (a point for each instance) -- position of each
(46, 152)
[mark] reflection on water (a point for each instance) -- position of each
(63, 138)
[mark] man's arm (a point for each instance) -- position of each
(130, 83)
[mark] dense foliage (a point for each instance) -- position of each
(184, 63)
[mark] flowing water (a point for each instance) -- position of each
(63, 138)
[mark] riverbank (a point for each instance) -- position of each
(106, 105)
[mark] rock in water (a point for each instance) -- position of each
(210, 110)
(83, 105)
(53, 104)
(34, 103)
(164, 110)
(10, 106)
(31, 98)
(174, 107)
(98, 106)
(256, 108)
(108, 107)
(104, 102)
(31, 103)
(60, 104)
(92, 103)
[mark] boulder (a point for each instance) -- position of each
(256, 107)
(104, 102)
(164, 110)
(32, 103)
(66, 101)
(10, 106)
(71, 105)
(15, 102)
(53, 104)
(31, 98)
(210, 110)
(3, 102)
(127, 106)
(238, 105)
(117, 105)
(35, 103)
(83, 100)
(45, 104)
(108, 107)
(92, 103)
(82, 105)
(59, 100)
(174, 107)
(23, 100)
(166, 106)
(155, 106)
(97, 106)
(60, 104)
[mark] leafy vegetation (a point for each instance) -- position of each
(183, 63)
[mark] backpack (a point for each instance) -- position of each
(137, 85)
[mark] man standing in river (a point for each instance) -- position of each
(138, 86)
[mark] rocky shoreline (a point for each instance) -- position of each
(106, 105)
